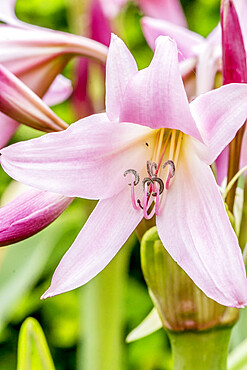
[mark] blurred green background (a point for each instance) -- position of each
(27, 267)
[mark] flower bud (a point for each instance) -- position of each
(233, 50)
(180, 303)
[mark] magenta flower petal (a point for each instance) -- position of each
(121, 66)
(95, 246)
(28, 214)
(149, 91)
(196, 231)
(186, 40)
(233, 50)
(219, 115)
(86, 160)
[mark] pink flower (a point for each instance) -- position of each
(30, 213)
(152, 139)
(37, 56)
(195, 51)
(170, 10)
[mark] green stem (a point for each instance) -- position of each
(233, 165)
(200, 349)
(243, 229)
(102, 317)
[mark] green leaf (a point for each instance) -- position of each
(25, 262)
(33, 351)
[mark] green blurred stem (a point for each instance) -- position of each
(103, 316)
(202, 350)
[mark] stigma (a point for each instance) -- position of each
(160, 170)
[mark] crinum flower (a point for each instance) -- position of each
(148, 154)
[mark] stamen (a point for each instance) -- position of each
(154, 167)
(171, 172)
(161, 186)
(157, 200)
(171, 163)
(149, 168)
(135, 173)
(145, 203)
(147, 181)
(133, 198)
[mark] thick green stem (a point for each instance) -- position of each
(202, 350)
(102, 317)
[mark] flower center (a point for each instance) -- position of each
(160, 170)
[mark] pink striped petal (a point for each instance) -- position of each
(120, 67)
(219, 115)
(95, 247)
(7, 129)
(28, 214)
(21, 104)
(59, 91)
(37, 56)
(155, 96)
(186, 40)
(196, 231)
(86, 160)
(169, 10)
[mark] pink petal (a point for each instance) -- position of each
(155, 96)
(21, 104)
(7, 129)
(120, 67)
(95, 247)
(221, 163)
(37, 56)
(112, 7)
(196, 231)
(28, 214)
(208, 63)
(86, 160)
(169, 10)
(219, 115)
(186, 40)
(59, 91)
(7, 12)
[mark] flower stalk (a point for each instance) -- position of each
(102, 317)
(207, 348)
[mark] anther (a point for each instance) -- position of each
(135, 173)
(147, 181)
(151, 168)
(151, 181)
(161, 186)
(170, 163)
